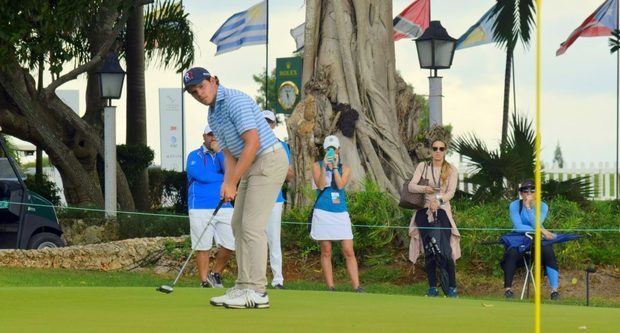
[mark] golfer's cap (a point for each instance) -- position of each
(194, 76)
(527, 184)
(269, 115)
(208, 129)
(331, 141)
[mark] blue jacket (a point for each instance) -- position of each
(205, 175)
(525, 219)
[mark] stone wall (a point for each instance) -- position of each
(118, 255)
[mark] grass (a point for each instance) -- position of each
(141, 309)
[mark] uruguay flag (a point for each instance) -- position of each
(479, 33)
(600, 23)
(244, 28)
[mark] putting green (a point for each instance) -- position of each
(93, 309)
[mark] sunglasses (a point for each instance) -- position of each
(528, 190)
(439, 148)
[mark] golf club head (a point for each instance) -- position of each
(165, 289)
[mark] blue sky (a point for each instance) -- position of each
(579, 109)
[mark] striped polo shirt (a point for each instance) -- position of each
(233, 114)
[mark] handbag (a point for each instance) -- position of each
(412, 200)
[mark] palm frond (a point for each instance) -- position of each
(614, 43)
(526, 13)
(168, 35)
(505, 25)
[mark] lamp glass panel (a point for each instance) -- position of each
(111, 85)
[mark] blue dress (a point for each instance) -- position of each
(331, 220)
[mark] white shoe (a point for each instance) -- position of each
(248, 299)
(230, 294)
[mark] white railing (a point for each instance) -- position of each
(602, 177)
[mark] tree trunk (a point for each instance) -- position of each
(136, 100)
(349, 59)
(506, 113)
(71, 144)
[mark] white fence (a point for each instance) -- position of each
(602, 177)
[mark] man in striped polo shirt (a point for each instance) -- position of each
(256, 162)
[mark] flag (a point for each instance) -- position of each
(479, 33)
(298, 35)
(244, 28)
(600, 23)
(412, 21)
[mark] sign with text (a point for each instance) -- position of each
(288, 83)
(171, 128)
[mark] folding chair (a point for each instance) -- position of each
(529, 269)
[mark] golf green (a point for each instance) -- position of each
(93, 309)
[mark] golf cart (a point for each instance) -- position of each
(27, 220)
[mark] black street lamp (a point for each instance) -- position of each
(111, 77)
(435, 51)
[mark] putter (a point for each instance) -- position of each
(167, 289)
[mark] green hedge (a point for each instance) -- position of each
(381, 245)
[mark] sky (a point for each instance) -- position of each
(578, 88)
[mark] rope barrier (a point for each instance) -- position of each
(384, 226)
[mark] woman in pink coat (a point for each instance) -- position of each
(442, 182)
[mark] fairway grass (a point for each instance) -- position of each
(141, 309)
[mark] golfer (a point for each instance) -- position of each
(275, 219)
(256, 162)
(205, 175)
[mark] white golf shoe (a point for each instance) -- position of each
(230, 294)
(247, 299)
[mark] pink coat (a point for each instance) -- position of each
(447, 192)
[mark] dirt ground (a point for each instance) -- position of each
(604, 284)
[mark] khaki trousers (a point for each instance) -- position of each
(256, 196)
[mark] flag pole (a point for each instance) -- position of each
(267, 59)
(537, 237)
(617, 97)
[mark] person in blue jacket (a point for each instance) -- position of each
(523, 216)
(205, 175)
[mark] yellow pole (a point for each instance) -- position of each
(537, 238)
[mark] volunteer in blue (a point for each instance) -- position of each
(205, 175)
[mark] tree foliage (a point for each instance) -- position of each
(497, 173)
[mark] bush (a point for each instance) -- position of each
(44, 188)
(133, 159)
(384, 235)
(138, 225)
(168, 189)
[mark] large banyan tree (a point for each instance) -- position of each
(351, 89)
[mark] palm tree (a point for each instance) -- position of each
(164, 33)
(614, 42)
(515, 19)
(497, 173)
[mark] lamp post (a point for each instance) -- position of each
(435, 51)
(111, 77)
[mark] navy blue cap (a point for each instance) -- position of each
(194, 76)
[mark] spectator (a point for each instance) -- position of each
(523, 216)
(437, 213)
(330, 219)
(275, 219)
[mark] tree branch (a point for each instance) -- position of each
(104, 49)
